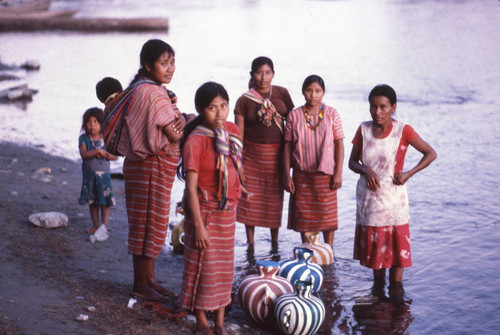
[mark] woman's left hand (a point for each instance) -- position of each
(179, 124)
(335, 182)
(202, 237)
(400, 178)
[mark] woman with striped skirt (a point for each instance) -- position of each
(211, 161)
(153, 127)
(314, 149)
(259, 114)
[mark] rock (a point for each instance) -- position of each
(91, 308)
(43, 174)
(31, 64)
(14, 193)
(233, 327)
(49, 219)
(82, 317)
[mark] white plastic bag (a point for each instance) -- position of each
(101, 234)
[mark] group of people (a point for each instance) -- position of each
(239, 172)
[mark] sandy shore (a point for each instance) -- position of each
(49, 277)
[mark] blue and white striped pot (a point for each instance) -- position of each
(301, 268)
(299, 313)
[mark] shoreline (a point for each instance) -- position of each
(50, 276)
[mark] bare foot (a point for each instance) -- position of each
(148, 293)
(220, 331)
(163, 290)
(204, 331)
(91, 230)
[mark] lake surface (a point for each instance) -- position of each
(440, 56)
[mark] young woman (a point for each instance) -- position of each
(314, 148)
(149, 143)
(382, 238)
(211, 163)
(259, 114)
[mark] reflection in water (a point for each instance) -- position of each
(379, 314)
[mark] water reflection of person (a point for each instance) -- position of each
(385, 317)
(150, 142)
(382, 238)
(259, 115)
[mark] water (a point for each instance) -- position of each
(442, 59)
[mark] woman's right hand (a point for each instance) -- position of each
(289, 185)
(202, 237)
(371, 179)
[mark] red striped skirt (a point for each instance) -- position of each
(383, 247)
(208, 274)
(313, 206)
(263, 178)
(147, 195)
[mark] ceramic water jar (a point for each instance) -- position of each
(301, 268)
(299, 313)
(258, 293)
(323, 252)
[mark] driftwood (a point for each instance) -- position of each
(21, 23)
(23, 7)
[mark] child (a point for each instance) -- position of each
(107, 89)
(211, 163)
(382, 238)
(96, 187)
(314, 148)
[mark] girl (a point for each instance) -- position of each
(211, 160)
(382, 238)
(96, 191)
(314, 148)
(259, 116)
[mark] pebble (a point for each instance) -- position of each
(82, 317)
(91, 308)
(14, 193)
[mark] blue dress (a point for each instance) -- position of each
(96, 185)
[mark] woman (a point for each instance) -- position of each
(314, 148)
(149, 143)
(259, 115)
(382, 238)
(211, 165)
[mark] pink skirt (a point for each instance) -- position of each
(313, 206)
(208, 274)
(383, 247)
(148, 184)
(262, 164)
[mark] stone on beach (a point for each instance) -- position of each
(43, 174)
(49, 219)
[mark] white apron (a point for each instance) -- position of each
(388, 205)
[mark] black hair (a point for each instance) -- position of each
(106, 87)
(383, 90)
(95, 112)
(256, 64)
(150, 52)
(203, 97)
(313, 78)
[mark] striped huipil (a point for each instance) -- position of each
(148, 169)
(313, 206)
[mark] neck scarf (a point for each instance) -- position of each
(267, 112)
(225, 145)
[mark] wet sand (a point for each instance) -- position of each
(50, 276)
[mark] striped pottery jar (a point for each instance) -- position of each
(258, 293)
(299, 313)
(301, 268)
(323, 252)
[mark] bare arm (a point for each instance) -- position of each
(287, 156)
(193, 206)
(429, 154)
(336, 180)
(240, 122)
(87, 154)
(355, 165)
(174, 130)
